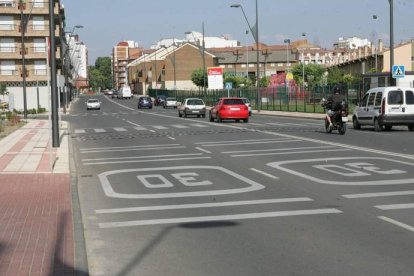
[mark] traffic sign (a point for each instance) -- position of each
(229, 85)
(398, 71)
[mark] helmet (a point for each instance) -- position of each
(336, 90)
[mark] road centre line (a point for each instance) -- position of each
(289, 152)
(172, 138)
(250, 143)
(202, 205)
(264, 173)
(269, 150)
(395, 206)
(133, 123)
(357, 148)
(219, 218)
(382, 194)
(400, 224)
(146, 160)
(129, 147)
(142, 157)
(232, 141)
(203, 150)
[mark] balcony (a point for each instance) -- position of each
(9, 53)
(36, 8)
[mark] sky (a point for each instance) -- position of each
(107, 22)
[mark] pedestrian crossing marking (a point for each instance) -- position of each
(140, 128)
(100, 130)
(120, 129)
(79, 131)
(179, 126)
(160, 127)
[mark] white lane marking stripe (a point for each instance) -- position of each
(152, 130)
(172, 138)
(135, 149)
(219, 218)
(395, 206)
(400, 224)
(383, 194)
(235, 141)
(160, 127)
(132, 123)
(249, 143)
(179, 126)
(147, 161)
(143, 157)
(202, 205)
(140, 128)
(130, 147)
(119, 129)
(100, 130)
(270, 150)
(289, 152)
(199, 125)
(77, 131)
(264, 173)
(203, 150)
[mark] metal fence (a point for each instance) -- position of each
(280, 98)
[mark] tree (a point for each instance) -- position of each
(3, 90)
(237, 81)
(197, 78)
(335, 76)
(313, 73)
(100, 75)
(264, 81)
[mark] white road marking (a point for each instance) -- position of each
(219, 218)
(270, 150)
(202, 205)
(99, 130)
(395, 206)
(400, 224)
(127, 147)
(264, 173)
(172, 138)
(160, 127)
(109, 191)
(250, 143)
(140, 128)
(289, 152)
(133, 123)
(78, 131)
(142, 157)
(383, 194)
(146, 160)
(232, 141)
(179, 126)
(119, 129)
(203, 150)
(152, 130)
(135, 149)
(199, 125)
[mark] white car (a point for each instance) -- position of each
(249, 106)
(192, 106)
(170, 102)
(93, 104)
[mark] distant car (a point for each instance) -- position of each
(170, 102)
(109, 92)
(160, 100)
(114, 93)
(229, 109)
(144, 101)
(192, 106)
(93, 104)
(248, 104)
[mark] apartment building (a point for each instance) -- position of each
(24, 50)
(78, 59)
(122, 54)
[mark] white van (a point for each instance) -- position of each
(124, 93)
(385, 107)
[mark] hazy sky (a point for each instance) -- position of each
(106, 22)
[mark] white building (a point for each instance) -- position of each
(352, 43)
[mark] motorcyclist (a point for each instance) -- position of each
(333, 104)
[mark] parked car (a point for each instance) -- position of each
(124, 93)
(385, 107)
(248, 104)
(229, 109)
(115, 94)
(170, 102)
(144, 101)
(160, 100)
(192, 106)
(93, 104)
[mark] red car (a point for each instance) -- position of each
(229, 109)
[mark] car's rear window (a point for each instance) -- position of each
(171, 99)
(395, 97)
(146, 99)
(246, 101)
(195, 102)
(409, 97)
(92, 101)
(232, 101)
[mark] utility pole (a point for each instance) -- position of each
(23, 25)
(392, 80)
(53, 82)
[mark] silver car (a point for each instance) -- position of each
(93, 104)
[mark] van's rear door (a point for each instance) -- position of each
(395, 102)
(409, 102)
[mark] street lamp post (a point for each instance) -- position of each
(255, 33)
(54, 96)
(375, 17)
(391, 2)
(303, 64)
(23, 25)
(287, 41)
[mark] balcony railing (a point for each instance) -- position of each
(7, 4)
(39, 72)
(5, 49)
(7, 27)
(8, 72)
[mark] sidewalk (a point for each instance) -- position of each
(36, 224)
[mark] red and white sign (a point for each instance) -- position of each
(215, 77)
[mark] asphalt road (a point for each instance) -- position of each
(163, 195)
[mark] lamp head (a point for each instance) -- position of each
(235, 6)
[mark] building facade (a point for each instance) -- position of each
(122, 54)
(24, 36)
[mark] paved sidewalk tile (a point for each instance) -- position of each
(36, 227)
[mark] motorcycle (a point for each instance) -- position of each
(339, 118)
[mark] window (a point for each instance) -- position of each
(409, 97)
(38, 23)
(233, 101)
(40, 68)
(6, 3)
(381, 81)
(38, 3)
(7, 68)
(7, 45)
(364, 100)
(39, 45)
(371, 99)
(378, 99)
(6, 23)
(395, 97)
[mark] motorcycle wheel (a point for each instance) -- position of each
(327, 128)
(342, 129)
